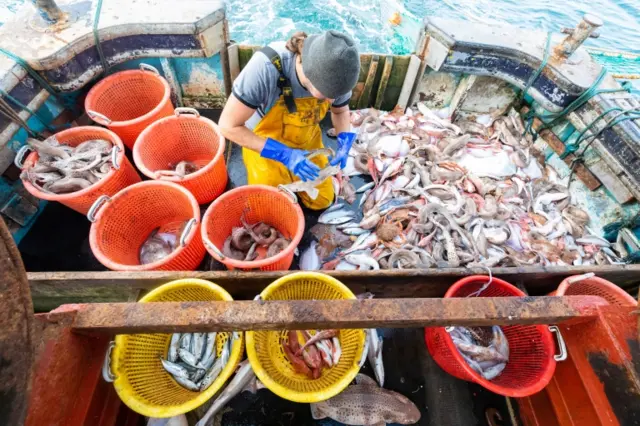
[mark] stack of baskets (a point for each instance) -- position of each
(135, 106)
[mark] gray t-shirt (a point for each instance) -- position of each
(257, 84)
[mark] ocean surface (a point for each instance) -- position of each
(262, 21)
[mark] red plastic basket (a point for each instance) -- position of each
(262, 203)
(122, 223)
(594, 286)
(531, 359)
(184, 136)
(119, 176)
(128, 101)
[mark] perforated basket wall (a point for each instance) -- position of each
(264, 348)
(141, 381)
(185, 138)
(132, 100)
(531, 347)
(125, 222)
(114, 181)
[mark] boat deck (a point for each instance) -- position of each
(59, 241)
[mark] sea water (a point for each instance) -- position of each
(262, 21)
(259, 22)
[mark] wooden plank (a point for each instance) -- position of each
(363, 102)
(234, 62)
(384, 80)
(50, 289)
(168, 317)
(409, 81)
(396, 80)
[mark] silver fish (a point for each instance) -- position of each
(365, 187)
(367, 404)
(310, 261)
(243, 377)
(363, 260)
(174, 369)
(187, 384)
(346, 225)
(172, 355)
(210, 346)
(336, 217)
(355, 231)
(185, 342)
(188, 357)
(198, 345)
(375, 355)
(211, 375)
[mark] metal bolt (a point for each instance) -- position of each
(577, 36)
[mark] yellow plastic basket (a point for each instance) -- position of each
(264, 348)
(141, 382)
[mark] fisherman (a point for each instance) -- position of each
(278, 101)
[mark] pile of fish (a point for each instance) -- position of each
(254, 241)
(469, 193)
(161, 242)
(191, 359)
(181, 169)
(485, 349)
(317, 350)
(62, 169)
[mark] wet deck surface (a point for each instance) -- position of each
(59, 241)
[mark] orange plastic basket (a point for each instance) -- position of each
(184, 137)
(594, 286)
(121, 175)
(122, 223)
(531, 348)
(128, 101)
(276, 207)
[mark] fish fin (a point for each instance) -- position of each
(316, 411)
(363, 379)
(376, 424)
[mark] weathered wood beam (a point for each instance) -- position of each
(166, 317)
(52, 289)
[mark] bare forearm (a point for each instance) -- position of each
(244, 137)
(341, 121)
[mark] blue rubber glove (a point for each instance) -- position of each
(345, 140)
(293, 159)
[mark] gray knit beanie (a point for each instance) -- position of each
(331, 62)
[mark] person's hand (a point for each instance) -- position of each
(345, 140)
(293, 159)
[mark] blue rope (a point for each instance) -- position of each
(96, 38)
(31, 72)
(543, 64)
(33, 113)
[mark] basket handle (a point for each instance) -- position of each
(214, 249)
(187, 231)
(561, 345)
(577, 278)
(21, 155)
(99, 118)
(287, 191)
(107, 375)
(114, 157)
(147, 67)
(91, 214)
(185, 110)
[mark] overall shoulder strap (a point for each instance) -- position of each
(283, 82)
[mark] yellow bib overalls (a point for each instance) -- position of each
(299, 130)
